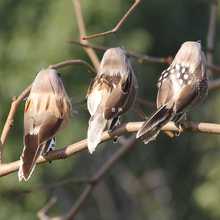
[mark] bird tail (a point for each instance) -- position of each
(32, 150)
(151, 128)
(97, 124)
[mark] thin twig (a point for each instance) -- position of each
(214, 68)
(129, 127)
(72, 62)
(214, 84)
(88, 45)
(42, 214)
(10, 119)
(146, 103)
(118, 25)
(211, 32)
(82, 30)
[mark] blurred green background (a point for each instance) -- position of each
(168, 179)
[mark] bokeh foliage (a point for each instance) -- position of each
(171, 178)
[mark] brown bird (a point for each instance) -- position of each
(111, 94)
(180, 87)
(47, 109)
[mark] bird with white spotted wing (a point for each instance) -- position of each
(47, 109)
(111, 94)
(180, 86)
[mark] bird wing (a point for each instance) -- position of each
(38, 130)
(96, 97)
(97, 93)
(121, 98)
(107, 98)
(165, 89)
(186, 97)
(41, 122)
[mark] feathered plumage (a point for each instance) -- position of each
(47, 109)
(111, 94)
(180, 86)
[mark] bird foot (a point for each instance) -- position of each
(50, 146)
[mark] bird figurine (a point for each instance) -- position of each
(182, 85)
(47, 109)
(110, 94)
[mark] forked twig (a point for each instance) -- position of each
(140, 57)
(98, 176)
(118, 25)
(10, 119)
(82, 31)
(42, 214)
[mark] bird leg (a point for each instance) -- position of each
(49, 146)
(179, 122)
(113, 124)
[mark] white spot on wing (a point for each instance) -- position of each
(178, 75)
(113, 109)
(185, 76)
(181, 82)
(177, 66)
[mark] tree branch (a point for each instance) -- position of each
(118, 25)
(214, 84)
(211, 32)
(140, 57)
(82, 30)
(129, 127)
(42, 214)
(10, 119)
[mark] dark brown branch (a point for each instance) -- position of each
(214, 84)
(82, 30)
(72, 62)
(145, 103)
(214, 68)
(140, 57)
(118, 25)
(10, 119)
(211, 32)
